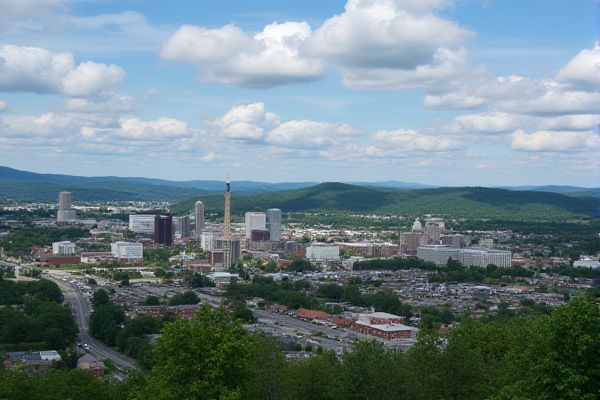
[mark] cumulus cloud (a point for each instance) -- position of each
(161, 128)
(384, 44)
(457, 101)
(228, 55)
(246, 122)
(253, 123)
(33, 69)
(572, 122)
(385, 34)
(402, 141)
(306, 134)
(554, 141)
(113, 104)
(487, 122)
(583, 70)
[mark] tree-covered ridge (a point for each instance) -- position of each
(468, 202)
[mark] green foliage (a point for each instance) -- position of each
(20, 241)
(204, 359)
(467, 202)
(199, 280)
(105, 322)
(152, 301)
(382, 300)
(283, 292)
(57, 385)
(188, 297)
(299, 265)
(17, 292)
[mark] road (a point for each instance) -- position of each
(81, 313)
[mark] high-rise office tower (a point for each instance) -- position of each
(274, 223)
(227, 217)
(181, 226)
(65, 212)
(163, 229)
(199, 218)
(254, 221)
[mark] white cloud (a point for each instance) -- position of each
(246, 122)
(384, 34)
(12, 11)
(32, 69)
(210, 156)
(583, 70)
(555, 101)
(403, 141)
(306, 134)
(572, 122)
(161, 128)
(90, 78)
(253, 123)
(31, 126)
(3, 105)
(113, 104)
(487, 122)
(554, 141)
(445, 67)
(457, 101)
(228, 55)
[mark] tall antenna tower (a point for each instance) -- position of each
(227, 216)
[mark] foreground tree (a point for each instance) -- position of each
(203, 359)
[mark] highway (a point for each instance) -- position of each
(81, 313)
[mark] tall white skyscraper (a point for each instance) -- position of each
(199, 217)
(254, 220)
(65, 212)
(274, 223)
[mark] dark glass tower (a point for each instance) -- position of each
(163, 229)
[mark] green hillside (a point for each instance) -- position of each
(19, 190)
(468, 202)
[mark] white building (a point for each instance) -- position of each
(129, 250)
(587, 262)
(437, 254)
(65, 248)
(322, 252)
(142, 223)
(484, 257)
(478, 257)
(274, 223)
(255, 220)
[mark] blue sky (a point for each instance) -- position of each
(438, 92)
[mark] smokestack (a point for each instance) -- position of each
(227, 216)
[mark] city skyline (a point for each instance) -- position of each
(342, 91)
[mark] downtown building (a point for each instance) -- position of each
(142, 223)
(65, 212)
(163, 229)
(478, 257)
(132, 252)
(198, 218)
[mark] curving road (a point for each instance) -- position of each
(81, 313)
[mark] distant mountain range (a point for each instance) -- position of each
(386, 196)
(467, 202)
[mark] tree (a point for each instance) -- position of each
(188, 297)
(203, 359)
(100, 297)
(152, 301)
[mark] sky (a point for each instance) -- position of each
(440, 92)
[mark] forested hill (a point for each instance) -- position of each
(468, 202)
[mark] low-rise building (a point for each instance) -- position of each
(323, 252)
(92, 364)
(132, 252)
(64, 248)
